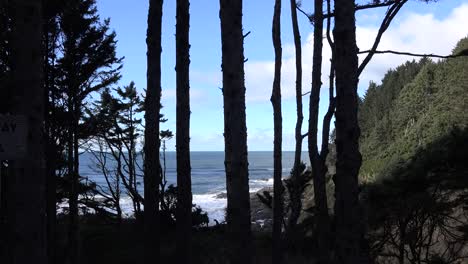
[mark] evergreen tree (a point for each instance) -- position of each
(294, 186)
(27, 217)
(275, 99)
(317, 160)
(235, 132)
(417, 103)
(152, 165)
(184, 182)
(348, 220)
(88, 64)
(114, 127)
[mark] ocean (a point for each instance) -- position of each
(208, 177)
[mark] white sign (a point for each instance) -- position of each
(13, 136)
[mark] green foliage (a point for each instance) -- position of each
(417, 211)
(416, 104)
(199, 217)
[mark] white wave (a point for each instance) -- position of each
(213, 206)
(257, 185)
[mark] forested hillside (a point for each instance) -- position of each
(417, 104)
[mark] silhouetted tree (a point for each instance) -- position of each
(294, 190)
(27, 218)
(348, 220)
(184, 182)
(114, 126)
(235, 131)
(151, 146)
(277, 148)
(316, 159)
(88, 51)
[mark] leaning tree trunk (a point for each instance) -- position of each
(29, 218)
(184, 184)
(278, 123)
(318, 164)
(235, 132)
(151, 148)
(295, 190)
(349, 228)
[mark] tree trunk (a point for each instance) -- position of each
(29, 226)
(235, 132)
(278, 123)
(184, 182)
(318, 164)
(349, 228)
(73, 180)
(152, 143)
(295, 197)
(50, 157)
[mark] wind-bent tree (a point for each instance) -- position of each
(278, 126)
(317, 160)
(115, 127)
(184, 183)
(295, 188)
(28, 217)
(348, 220)
(151, 147)
(235, 132)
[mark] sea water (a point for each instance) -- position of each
(208, 177)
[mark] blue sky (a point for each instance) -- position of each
(419, 27)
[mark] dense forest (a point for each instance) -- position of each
(417, 104)
(384, 179)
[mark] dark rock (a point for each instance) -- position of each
(222, 195)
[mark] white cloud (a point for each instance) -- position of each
(418, 33)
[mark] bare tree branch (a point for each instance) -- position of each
(309, 16)
(366, 6)
(463, 53)
(358, 8)
(332, 101)
(391, 13)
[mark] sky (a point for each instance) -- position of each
(419, 27)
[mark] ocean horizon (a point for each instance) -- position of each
(208, 177)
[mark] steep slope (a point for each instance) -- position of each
(416, 104)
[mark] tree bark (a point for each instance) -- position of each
(73, 179)
(29, 216)
(295, 197)
(50, 157)
(317, 162)
(184, 182)
(278, 125)
(349, 228)
(152, 143)
(235, 132)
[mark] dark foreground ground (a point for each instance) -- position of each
(112, 243)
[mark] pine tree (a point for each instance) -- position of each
(349, 226)
(294, 182)
(27, 200)
(317, 159)
(184, 192)
(88, 51)
(278, 137)
(152, 165)
(235, 132)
